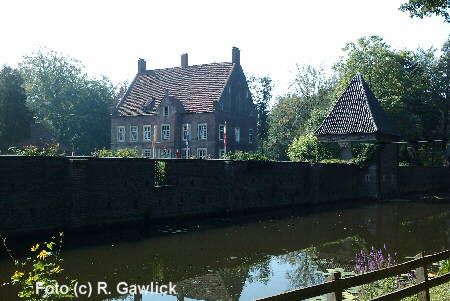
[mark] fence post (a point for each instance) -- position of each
(422, 276)
(337, 294)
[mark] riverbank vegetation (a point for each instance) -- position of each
(44, 266)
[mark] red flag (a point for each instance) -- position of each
(225, 136)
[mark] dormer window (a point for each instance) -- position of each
(148, 107)
(166, 111)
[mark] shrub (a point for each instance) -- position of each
(245, 156)
(363, 153)
(307, 148)
(120, 153)
(51, 150)
(44, 266)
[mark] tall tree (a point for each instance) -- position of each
(73, 105)
(14, 115)
(399, 79)
(409, 88)
(442, 86)
(310, 81)
(261, 89)
(300, 112)
(426, 8)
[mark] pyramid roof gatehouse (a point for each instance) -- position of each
(357, 116)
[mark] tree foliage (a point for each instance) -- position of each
(401, 80)
(245, 156)
(52, 150)
(14, 115)
(72, 105)
(306, 148)
(300, 112)
(408, 85)
(412, 86)
(426, 8)
(261, 89)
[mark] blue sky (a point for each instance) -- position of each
(109, 36)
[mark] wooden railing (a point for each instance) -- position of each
(335, 285)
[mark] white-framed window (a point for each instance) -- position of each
(165, 131)
(202, 131)
(201, 153)
(250, 136)
(133, 133)
(155, 131)
(186, 132)
(165, 153)
(147, 153)
(120, 134)
(221, 131)
(221, 152)
(185, 153)
(147, 133)
(166, 111)
(237, 134)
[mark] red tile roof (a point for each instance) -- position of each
(197, 87)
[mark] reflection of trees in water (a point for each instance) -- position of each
(225, 284)
(261, 271)
(303, 271)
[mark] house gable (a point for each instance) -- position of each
(236, 97)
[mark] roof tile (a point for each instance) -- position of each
(357, 111)
(197, 87)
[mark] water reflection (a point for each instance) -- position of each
(244, 260)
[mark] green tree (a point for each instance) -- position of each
(426, 8)
(261, 89)
(285, 122)
(442, 86)
(306, 148)
(72, 105)
(408, 85)
(399, 79)
(14, 115)
(300, 112)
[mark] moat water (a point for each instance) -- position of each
(252, 257)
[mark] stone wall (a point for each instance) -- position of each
(39, 194)
(419, 179)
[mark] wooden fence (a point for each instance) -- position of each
(335, 285)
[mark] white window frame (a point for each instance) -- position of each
(186, 152)
(185, 128)
(164, 137)
(121, 130)
(202, 149)
(205, 132)
(165, 153)
(164, 111)
(146, 129)
(237, 134)
(134, 138)
(149, 151)
(221, 131)
(250, 136)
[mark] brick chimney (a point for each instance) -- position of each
(142, 66)
(184, 60)
(236, 56)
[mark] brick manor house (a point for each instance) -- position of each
(184, 111)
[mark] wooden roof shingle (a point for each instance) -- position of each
(357, 113)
